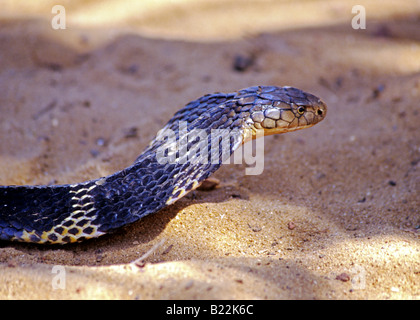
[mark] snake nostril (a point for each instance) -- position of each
(319, 112)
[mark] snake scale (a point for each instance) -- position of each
(74, 212)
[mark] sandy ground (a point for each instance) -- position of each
(334, 215)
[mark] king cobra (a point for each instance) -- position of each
(74, 212)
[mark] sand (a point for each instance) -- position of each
(335, 213)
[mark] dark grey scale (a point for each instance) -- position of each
(85, 202)
(146, 180)
(263, 102)
(154, 190)
(34, 238)
(73, 231)
(247, 100)
(236, 123)
(295, 93)
(48, 225)
(282, 105)
(257, 107)
(7, 233)
(123, 215)
(79, 214)
(148, 201)
(16, 224)
(220, 121)
(208, 122)
(27, 224)
(161, 180)
(270, 89)
(59, 230)
(253, 90)
(267, 96)
(129, 193)
(52, 237)
(82, 222)
(80, 194)
(286, 98)
(229, 122)
(4, 224)
(68, 223)
(243, 110)
(66, 239)
(214, 118)
(300, 101)
(198, 122)
(131, 201)
(91, 213)
(158, 174)
(88, 230)
(189, 186)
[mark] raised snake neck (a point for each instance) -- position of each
(70, 213)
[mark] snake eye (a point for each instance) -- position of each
(301, 110)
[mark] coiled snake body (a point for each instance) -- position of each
(70, 213)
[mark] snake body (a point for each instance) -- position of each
(73, 212)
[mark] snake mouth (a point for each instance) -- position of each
(279, 130)
(254, 133)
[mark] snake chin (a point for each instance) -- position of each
(269, 132)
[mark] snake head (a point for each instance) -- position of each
(280, 109)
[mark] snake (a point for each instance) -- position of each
(194, 143)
